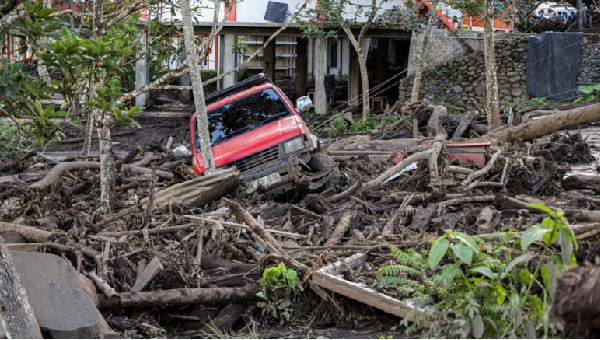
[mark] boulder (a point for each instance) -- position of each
(62, 308)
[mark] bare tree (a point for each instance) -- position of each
(421, 57)
(203, 134)
(492, 102)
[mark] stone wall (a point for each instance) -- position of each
(589, 69)
(460, 81)
(444, 46)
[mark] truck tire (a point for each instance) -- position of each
(323, 172)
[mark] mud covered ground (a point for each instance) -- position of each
(209, 246)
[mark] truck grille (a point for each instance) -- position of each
(256, 159)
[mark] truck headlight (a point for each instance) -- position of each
(294, 145)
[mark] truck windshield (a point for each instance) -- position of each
(245, 114)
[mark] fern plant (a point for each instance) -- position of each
(407, 275)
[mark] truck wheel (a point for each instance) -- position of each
(321, 162)
(324, 172)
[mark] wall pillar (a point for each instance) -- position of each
(228, 60)
(353, 78)
(142, 71)
(269, 60)
(301, 66)
(320, 69)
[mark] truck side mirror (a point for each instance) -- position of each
(303, 103)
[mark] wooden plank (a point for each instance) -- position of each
(149, 272)
(326, 278)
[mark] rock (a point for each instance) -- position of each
(457, 89)
(62, 308)
(517, 92)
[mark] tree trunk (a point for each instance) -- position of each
(560, 121)
(43, 69)
(364, 73)
(16, 315)
(421, 58)
(107, 160)
(12, 16)
(492, 102)
(192, 62)
(91, 115)
(362, 62)
(182, 296)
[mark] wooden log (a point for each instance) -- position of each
(505, 202)
(226, 319)
(183, 296)
(198, 191)
(434, 123)
(54, 175)
(465, 120)
(149, 272)
(584, 182)
(16, 314)
(340, 228)
(543, 126)
(31, 234)
(344, 194)
(419, 156)
(577, 299)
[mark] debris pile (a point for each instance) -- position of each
(181, 257)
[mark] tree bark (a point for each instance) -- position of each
(12, 16)
(182, 296)
(31, 234)
(53, 175)
(560, 121)
(421, 58)
(340, 229)
(492, 102)
(203, 134)
(362, 62)
(16, 315)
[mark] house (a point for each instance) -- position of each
(297, 64)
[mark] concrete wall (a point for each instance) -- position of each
(459, 80)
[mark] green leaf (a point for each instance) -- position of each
(463, 252)
(477, 326)
(483, 270)
(437, 251)
(525, 277)
(467, 240)
(566, 246)
(542, 208)
(446, 277)
(521, 258)
(533, 234)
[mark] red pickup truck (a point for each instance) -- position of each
(254, 127)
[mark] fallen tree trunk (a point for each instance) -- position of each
(560, 121)
(428, 154)
(54, 174)
(585, 182)
(31, 234)
(182, 296)
(16, 315)
(198, 191)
